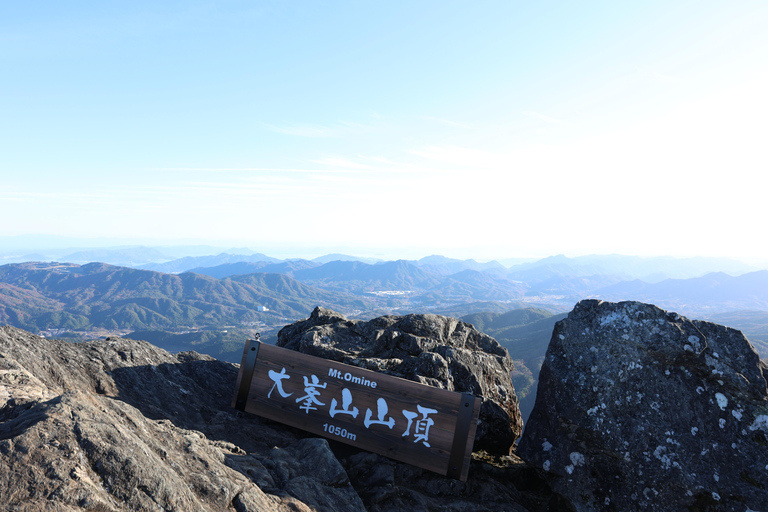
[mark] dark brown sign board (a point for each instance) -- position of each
(428, 427)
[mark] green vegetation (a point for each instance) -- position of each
(523, 380)
(44, 296)
(494, 322)
(191, 311)
(225, 344)
(525, 333)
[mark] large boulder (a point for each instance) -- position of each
(642, 409)
(435, 350)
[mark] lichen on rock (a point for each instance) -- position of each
(119, 425)
(664, 412)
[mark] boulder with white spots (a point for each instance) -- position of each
(643, 409)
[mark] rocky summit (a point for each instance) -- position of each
(642, 409)
(121, 425)
(435, 350)
(637, 409)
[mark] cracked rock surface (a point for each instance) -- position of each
(436, 350)
(642, 409)
(121, 425)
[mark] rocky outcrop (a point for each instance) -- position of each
(641, 409)
(123, 425)
(435, 350)
(120, 425)
(637, 409)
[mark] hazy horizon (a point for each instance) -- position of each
(486, 131)
(31, 244)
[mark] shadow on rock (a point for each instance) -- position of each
(119, 423)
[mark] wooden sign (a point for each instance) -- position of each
(421, 425)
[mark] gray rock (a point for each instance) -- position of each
(495, 484)
(119, 425)
(641, 409)
(435, 350)
(123, 425)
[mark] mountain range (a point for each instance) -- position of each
(256, 292)
(719, 290)
(40, 296)
(554, 283)
(212, 309)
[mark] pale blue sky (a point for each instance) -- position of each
(397, 129)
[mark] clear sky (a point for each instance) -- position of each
(485, 129)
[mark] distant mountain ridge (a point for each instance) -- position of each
(553, 284)
(652, 269)
(448, 266)
(468, 285)
(187, 263)
(244, 267)
(361, 277)
(124, 256)
(344, 257)
(720, 291)
(23, 248)
(230, 287)
(39, 296)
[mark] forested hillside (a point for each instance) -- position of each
(525, 333)
(41, 296)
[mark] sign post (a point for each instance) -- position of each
(414, 423)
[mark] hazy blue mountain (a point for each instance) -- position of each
(553, 267)
(404, 276)
(344, 257)
(21, 258)
(121, 256)
(241, 250)
(361, 277)
(624, 267)
(188, 263)
(232, 269)
(715, 292)
(578, 286)
(511, 262)
(336, 270)
(176, 252)
(470, 285)
(441, 265)
(21, 248)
